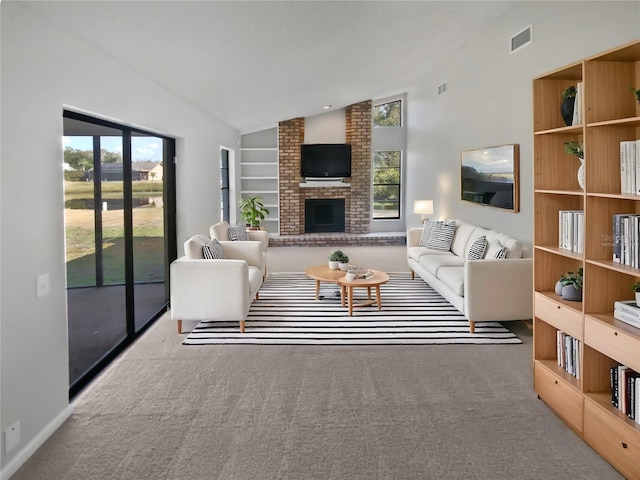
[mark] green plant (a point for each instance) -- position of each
(637, 92)
(636, 287)
(569, 92)
(339, 256)
(574, 148)
(573, 278)
(253, 211)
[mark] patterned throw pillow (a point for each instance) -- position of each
(477, 249)
(238, 233)
(426, 230)
(502, 253)
(441, 235)
(213, 250)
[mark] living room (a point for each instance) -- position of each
(47, 69)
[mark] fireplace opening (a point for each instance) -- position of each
(324, 215)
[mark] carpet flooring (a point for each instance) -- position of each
(288, 313)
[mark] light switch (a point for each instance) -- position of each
(42, 285)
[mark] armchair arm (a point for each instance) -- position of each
(498, 289)
(249, 251)
(209, 289)
(261, 236)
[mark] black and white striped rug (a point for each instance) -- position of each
(287, 313)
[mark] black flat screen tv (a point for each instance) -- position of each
(328, 160)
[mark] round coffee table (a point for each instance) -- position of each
(322, 273)
(378, 278)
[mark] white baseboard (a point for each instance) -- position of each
(30, 448)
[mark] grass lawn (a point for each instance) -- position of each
(148, 241)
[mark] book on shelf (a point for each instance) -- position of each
(630, 167)
(626, 235)
(577, 106)
(568, 354)
(571, 230)
(626, 317)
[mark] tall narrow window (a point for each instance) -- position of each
(386, 184)
(224, 184)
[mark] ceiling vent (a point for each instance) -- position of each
(442, 88)
(521, 39)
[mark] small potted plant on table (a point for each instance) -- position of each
(338, 259)
(636, 288)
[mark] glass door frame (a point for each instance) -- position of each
(170, 236)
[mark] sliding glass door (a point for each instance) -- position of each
(120, 237)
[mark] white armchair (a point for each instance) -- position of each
(220, 289)
(220, 231)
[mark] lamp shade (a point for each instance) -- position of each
(423, 207)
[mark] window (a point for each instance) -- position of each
(224, 185)
(386, 184)
(388, 114)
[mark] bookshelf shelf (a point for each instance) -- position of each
(610, 116)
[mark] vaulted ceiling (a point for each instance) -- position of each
(254, 63)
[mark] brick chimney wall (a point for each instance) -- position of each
(357, 196)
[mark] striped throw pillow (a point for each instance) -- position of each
(502, 253)
(476, 252)
(213, 250)
(426, 230)
(441, 235)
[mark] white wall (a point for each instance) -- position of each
(44, 70)
(489, 101)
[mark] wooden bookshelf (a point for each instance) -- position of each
(610, 115)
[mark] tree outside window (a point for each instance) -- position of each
(388, 114)
(386, 184)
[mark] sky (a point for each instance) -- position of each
(144, 149)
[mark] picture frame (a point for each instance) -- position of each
(489, 177)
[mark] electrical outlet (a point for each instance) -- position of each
(12, 437)
(42, 285)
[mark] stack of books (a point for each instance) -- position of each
(569, 354)
(630, 167)
(626, 233)
(571, 230)
(627, 311)
(625, 391)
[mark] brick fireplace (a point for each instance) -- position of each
(356, 196)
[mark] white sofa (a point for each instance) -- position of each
(216, 289)
(220, 231)
(486, 289)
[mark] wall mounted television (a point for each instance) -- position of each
(325, 160)
(489, 177)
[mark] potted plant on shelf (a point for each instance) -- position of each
(568, 102)
(338, 259)
(571, 286)
(576, 149)
(636, 288)
(637, 92)
(253, 211)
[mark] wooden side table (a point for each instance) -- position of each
(347, 286)
(322, 273)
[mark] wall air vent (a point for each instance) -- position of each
(442, 88)
(521, 39)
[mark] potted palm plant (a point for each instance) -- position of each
(253, 211)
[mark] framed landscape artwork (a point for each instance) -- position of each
(489, 176)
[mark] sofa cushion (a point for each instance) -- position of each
(453, 277)
(477, 248)
(433, 263)
(513, 246)
(213, 250)
(461, 238)
(426, 230)
(193, 246)
(417, 252)
(441, 235)
(238, 233)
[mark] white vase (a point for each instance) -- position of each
(581, 173)
(333, 265)
(638, 299)
(343, 266)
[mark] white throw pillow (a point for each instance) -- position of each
(238, 233)
(426, 230)
(478, 247)
(441, 235)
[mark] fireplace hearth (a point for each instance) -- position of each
(324, 215)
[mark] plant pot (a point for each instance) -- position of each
(566, 110)
(333, 265)
(581, 173)
(343, 266)
(559, 288)
(571, 293)
(638, 299)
